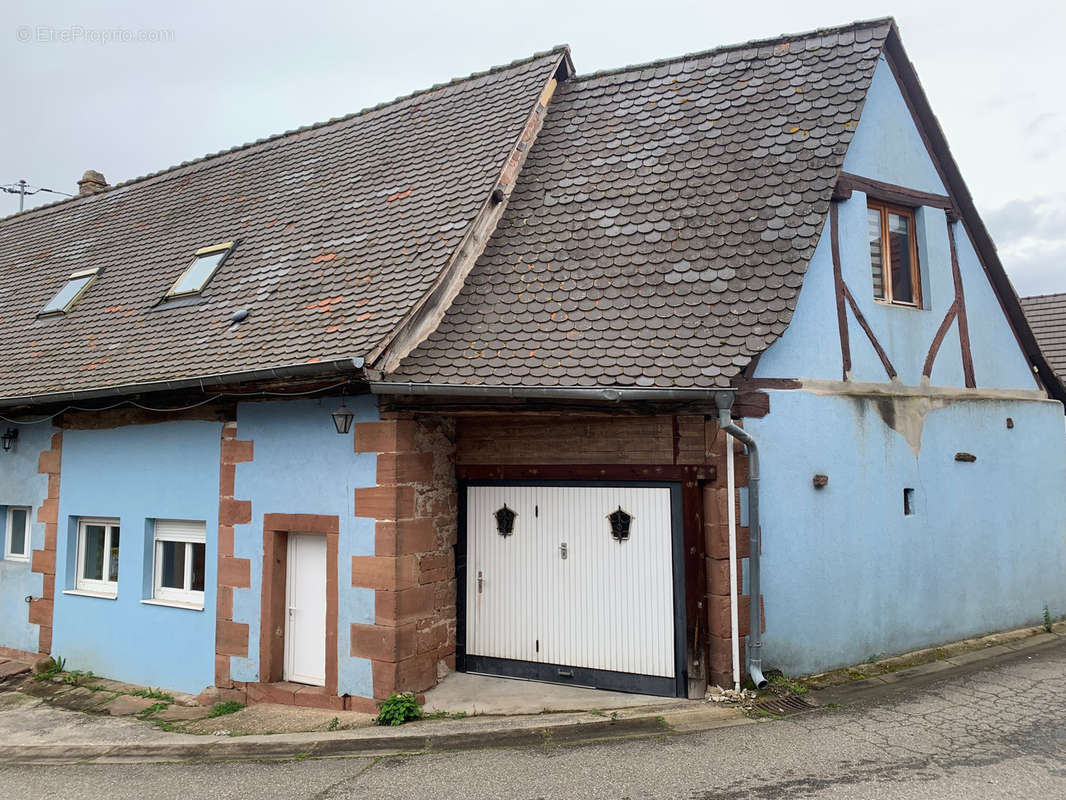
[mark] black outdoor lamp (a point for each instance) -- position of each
(342, 418)
(9, 438)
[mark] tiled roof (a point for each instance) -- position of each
(341, 228)
(1047, 318)
(659, 232)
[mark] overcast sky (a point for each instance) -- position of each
(208, 76)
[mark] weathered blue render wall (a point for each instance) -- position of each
(168, 470)
(846, 575)
(21, 485)
(302, 466)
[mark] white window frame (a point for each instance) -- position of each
(189, 532)
(82, 584)
(9, 554)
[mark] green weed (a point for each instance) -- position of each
(398, 709)
(52, 668)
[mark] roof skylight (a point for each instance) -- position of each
(206, 262)
(74, 288)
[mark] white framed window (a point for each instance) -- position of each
(17, 530)
(98, 541)
(180, 561)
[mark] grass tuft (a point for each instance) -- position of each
(225, 707)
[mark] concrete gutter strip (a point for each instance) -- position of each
(916, 676)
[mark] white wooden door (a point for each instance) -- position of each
(305, 622)
(561, 589)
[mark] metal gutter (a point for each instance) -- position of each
(352, 365)
(725, 422)
(610, 394)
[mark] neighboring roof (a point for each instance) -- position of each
(341, 228)
(1047, 319)
(660, 230)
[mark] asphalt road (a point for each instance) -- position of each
(997, 733)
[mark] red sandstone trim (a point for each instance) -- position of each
(718, 650)
(276, 529)
(412, 571)
(231, 637)
(44, 560)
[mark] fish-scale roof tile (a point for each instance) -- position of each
(675, 207)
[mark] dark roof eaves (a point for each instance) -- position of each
(175, 169)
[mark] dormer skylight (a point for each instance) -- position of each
(205, 263)
(73, 289)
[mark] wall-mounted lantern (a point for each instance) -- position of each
(342, 418)
(9, 438)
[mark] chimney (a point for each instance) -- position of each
(91, 183)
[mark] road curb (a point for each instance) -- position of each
(542, 730)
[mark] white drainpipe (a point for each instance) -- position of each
(734, 604)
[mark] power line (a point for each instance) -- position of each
(22, 189)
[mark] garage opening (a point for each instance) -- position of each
(578, 583)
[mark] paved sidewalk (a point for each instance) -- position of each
(36, 732)
(993, 734)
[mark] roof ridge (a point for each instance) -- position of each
(780, 38)
(559, 49)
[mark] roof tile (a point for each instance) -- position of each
(649, 193)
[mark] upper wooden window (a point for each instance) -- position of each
(894, 255)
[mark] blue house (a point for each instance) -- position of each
(532, 374)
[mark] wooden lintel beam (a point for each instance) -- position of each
(891, 193)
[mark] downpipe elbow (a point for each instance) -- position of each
(755, 672)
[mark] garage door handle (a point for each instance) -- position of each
(480, 582)
(562, 551)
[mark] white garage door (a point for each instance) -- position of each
(567, 585)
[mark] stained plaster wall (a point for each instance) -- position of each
(847, 575)
(21, 485)
(302, 466)
(138, 473)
